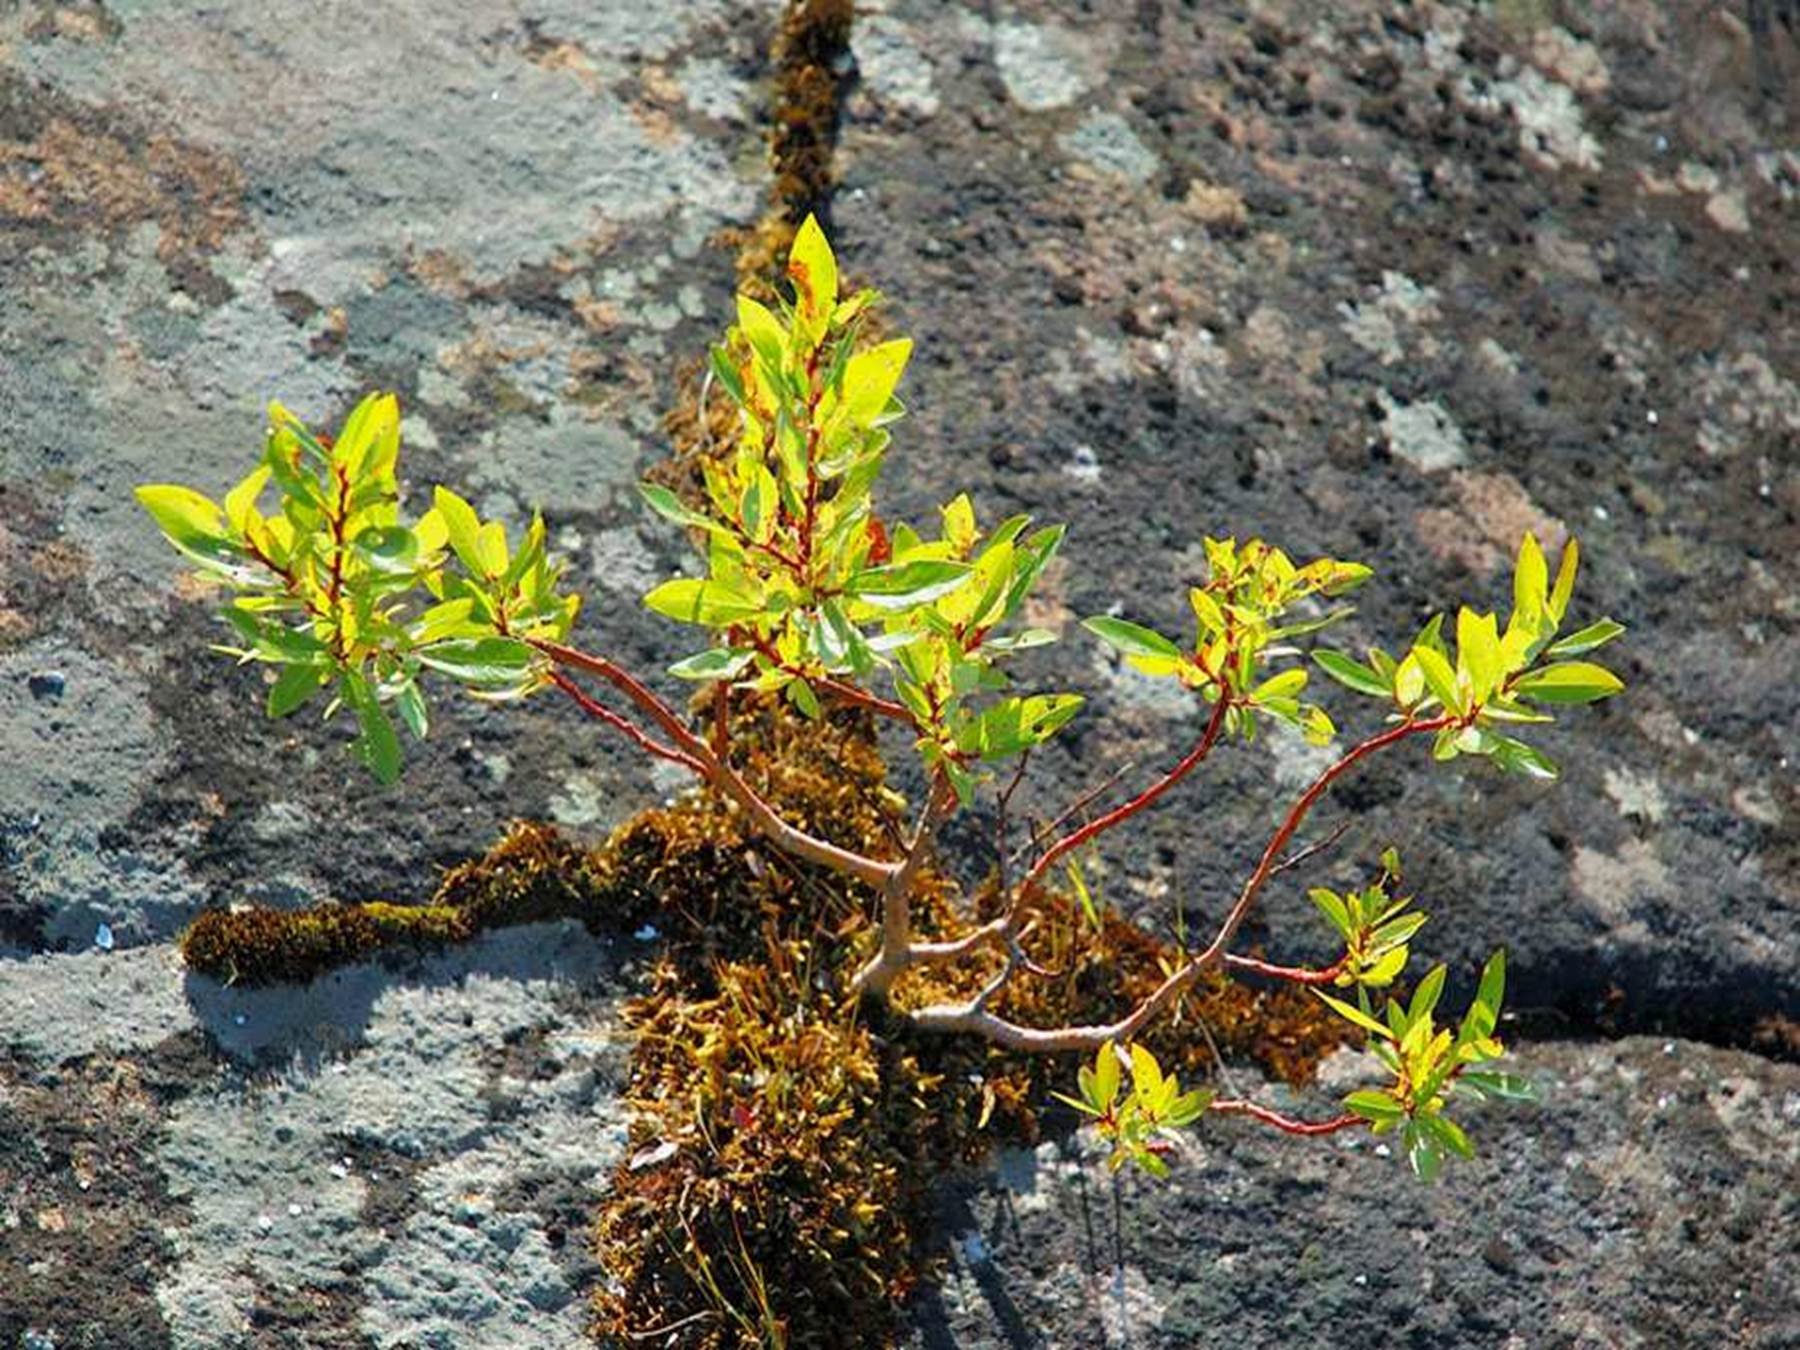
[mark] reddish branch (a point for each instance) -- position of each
(593, 708)
(1286, 1124)
(718, 771)
(1100, 824)
(1292, 974)
(968, 1017)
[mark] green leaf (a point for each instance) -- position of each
(1569, 682)
(185, 516)
(390, 549)
(870, 378)
(1207, 613)
(463, 527)
(1565, 581)
(1595, 635)
(814, 273)
(801, 695)
(1130, 638)
(1354, 1014)
(670, 507)
(1478, 652)
(1514, 756)
(1425, 997)
(1282, 686)
(1507, 1087)
(1439, 678)
(1106, 1076)
(296, 684)
(1484, 1013)
(1146, 1073)
(711, 603)
(242, 498)
(1422, 1154)
(1531, 580)
(727, 374)
(411, 703)
(1332, 906)
(1351, 674)
(1188, 1107)
(763, 331)
(1375, 1106)
(721, 663)
(482, 663)
(909, 584)
(1446, 1134)
(378, 746)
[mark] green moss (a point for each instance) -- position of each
(532, 874)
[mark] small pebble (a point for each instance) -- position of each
(103, 937)
(294, 1211)
(264, 1222)
(46, 683)
(238, 1019)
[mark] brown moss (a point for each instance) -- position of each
(784, 1138)
(531, 874)
(812, 60)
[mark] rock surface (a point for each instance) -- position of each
(1388, 282)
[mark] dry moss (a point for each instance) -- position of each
(530, 875)
(812, 64)
(784, 1138)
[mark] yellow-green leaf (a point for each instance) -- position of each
(870, 379)
(1565, 581)
(813, 271)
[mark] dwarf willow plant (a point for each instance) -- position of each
(809, 594)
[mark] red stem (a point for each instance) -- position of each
(1286, 1124)
(1100, 824)
(1292, 974)
(595, 709)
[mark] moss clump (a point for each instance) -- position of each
(530, 875)
(812, 65)
(784, 1138)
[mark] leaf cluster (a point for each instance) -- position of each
(345, 597)
(1493, 679)
(806, 586)
(1135, 1118)
(1430, 1063)
(1242, 624)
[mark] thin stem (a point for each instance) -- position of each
(966, 1017)
(1076, 838)
(1075, 808)
(1292, 974)
(1286, 1124)
(593, 708)
(870, 871)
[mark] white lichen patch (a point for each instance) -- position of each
(1616, 886)
(893, 65)
(1376, 324)
(1637, 795)
(1045, 65)
(1105, 141)
(1422, 433)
